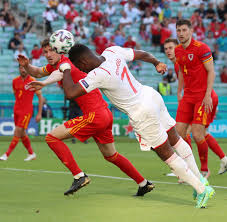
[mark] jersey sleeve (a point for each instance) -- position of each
(127, 53)
(204, 53)
(94, 79)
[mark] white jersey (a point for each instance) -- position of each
(143, 105)
(115, 80)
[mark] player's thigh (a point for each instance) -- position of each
(182, 129)
(173, 136)
(19, 132)
(61, 132)
(107, 149)
(22, 119)
(200, 116)
(198, 131)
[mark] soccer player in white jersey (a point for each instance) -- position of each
(154, 127)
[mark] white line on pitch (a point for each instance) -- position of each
(92, 175)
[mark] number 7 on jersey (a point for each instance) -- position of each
(125, 72)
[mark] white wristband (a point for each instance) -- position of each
(64, 66)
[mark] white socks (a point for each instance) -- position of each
(185, 152)
(180, 169)
(81, 174)
(143, 183)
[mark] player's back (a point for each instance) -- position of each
(122, 88)
(23, 97)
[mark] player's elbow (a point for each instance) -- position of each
(69, 95)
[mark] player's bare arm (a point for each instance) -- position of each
(71, 89)
(32, 70)
(148, 57)
(40, 102)
(207, 101)
(180, 85)
(54, 77)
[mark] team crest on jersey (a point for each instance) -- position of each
(190, 56)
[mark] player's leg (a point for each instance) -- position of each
(16, 137)
(188, 136)
(111, 155)
(198, 135)
(215, 147)
(180, 168)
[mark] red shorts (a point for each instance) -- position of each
(22, 119)
(95, 124)
(192, 112)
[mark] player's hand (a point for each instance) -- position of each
(38, 118)
(207, 103)
(161, 68)
(34, 85)
(23, 60)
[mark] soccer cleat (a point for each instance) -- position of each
(205, 183)
(203, 198)
(206, 174)
(223, 167)
(4, 157)
(145, 189)
(30, 157)
(77, 184)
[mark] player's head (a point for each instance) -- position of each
(22, 71)
(83, 58)
(169, 46)
(184, 30)
(52, 57)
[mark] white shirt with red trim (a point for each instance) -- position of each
(115, 80)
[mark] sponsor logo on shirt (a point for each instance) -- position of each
(85, 83)
(190, 56)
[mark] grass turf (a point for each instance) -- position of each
(38, 196)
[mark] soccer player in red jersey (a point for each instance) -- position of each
(23, 110)
(96, 122)
(196, 76)
(169, 47)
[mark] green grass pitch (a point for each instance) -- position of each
(36, 195)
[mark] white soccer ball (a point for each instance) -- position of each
(61, 41)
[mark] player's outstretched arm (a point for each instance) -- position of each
(31, 70)
(148, 57)
(71, 89)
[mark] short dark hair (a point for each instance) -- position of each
(77, 52)
(175, 41)
(181, 22)
(45, 43)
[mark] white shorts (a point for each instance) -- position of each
(151, 121)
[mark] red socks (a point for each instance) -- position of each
(214, 146)
(126, 166)
(25, 140)
(12, 145)
(188, 140)
(203, 154)
(63, 153)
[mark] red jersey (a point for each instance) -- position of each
(165, 34)
(191, 61)
(176, 68)
(89, 102)
(100, 43)
(36, 53)
(23, 103)
(130, 44)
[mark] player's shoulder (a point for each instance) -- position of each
(198, 44)
(113, 49)
(30, 78)
(16, 78)
(178, 47)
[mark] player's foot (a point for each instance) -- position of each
(223, 166)
(30, 157)
(4, 157)
(205, 183)
(170, 175)
(206, 174)
(145, 189)
(77, 184)
(204, 197)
